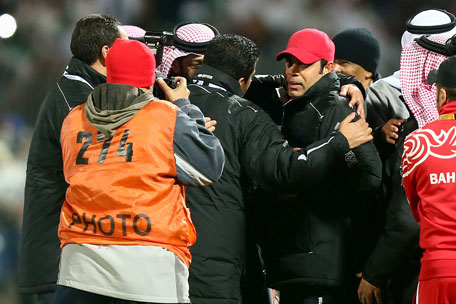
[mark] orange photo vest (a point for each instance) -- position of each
(123, 190)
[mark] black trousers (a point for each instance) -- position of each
(297, 294)
(68, 295)
(325, 299)
(45, 298)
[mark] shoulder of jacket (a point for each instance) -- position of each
(242, 104)
(235, 103)
(74, 86)
(378, 85)
(68, 93)
(161, 103)
(333, 102)
(380, 88)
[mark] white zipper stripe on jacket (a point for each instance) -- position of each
(202, 83)
(66, 101)
(304, 157)
(75, 78)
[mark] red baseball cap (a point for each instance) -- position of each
(130, 62)
(309, 46)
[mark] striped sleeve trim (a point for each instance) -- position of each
(304, 156)
(198, 177)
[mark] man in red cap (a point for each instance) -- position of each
(308, 234)
(125, 230)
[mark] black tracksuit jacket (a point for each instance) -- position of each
(45, 185)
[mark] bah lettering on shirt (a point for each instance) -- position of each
(442, 178)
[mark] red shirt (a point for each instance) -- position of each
(429, 180)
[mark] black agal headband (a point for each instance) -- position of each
(191, 47)
(447, 49)
(432, 29)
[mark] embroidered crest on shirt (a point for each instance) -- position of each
(424, 143)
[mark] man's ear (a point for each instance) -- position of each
(244, 83)
(441, 97)
(369, 75)
(329, 67)
(175, 67)
(241, 81)
(104, 53)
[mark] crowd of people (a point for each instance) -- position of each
(223, 186)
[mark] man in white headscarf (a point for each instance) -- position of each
(385, 110)
(186, 54)
(418, 58)
(429, 22)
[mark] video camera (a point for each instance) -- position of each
(156, 41)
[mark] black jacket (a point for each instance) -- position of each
(254, 152)
(397, 250)
(45, 184)
(394, 261)
(309, 234)
(264, 91)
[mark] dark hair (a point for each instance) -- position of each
(233, 55)
(323, 63)
(91, 34)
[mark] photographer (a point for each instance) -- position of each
(45, 184)
(125, 230)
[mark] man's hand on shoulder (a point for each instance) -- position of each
(356, 98)
(356, 133)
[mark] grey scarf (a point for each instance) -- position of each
(110, 106)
